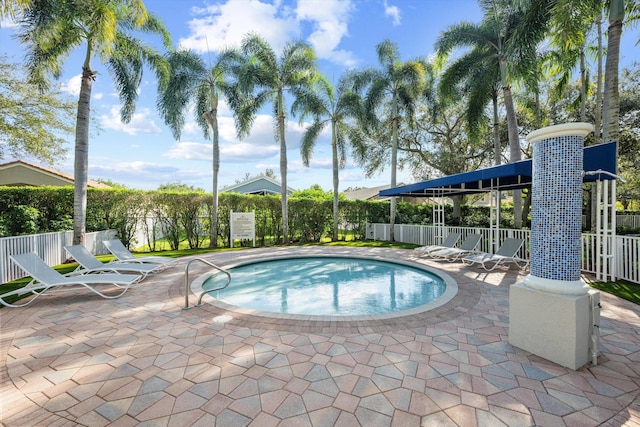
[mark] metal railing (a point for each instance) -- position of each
(204, 292)
(625, 259)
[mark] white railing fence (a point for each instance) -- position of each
(632, 221)
(626, 256)
(49, 246)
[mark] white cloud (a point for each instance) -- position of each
(393, 12)
(218, 26)
(72, 87)
(140, 122)
(330, 25)
(225, 24)
(190, 151)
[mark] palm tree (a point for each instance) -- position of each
(268, 77)
(508, 36)
(192, 82)
(337, 106)
(52, 29)
(478, 76)
(611, 99)
(392, 90)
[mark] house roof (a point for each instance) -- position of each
(371, 193)
(510, 176)
(259, 185)
(20, 172)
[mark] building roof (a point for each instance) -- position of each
(599, 162)
(259, 185)
(371, 193)
(20, 172)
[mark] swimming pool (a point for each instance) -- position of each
(331, 286)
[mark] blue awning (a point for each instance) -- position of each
(509, 176)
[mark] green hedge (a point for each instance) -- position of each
(184, 216)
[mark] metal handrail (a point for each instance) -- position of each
(186, 282)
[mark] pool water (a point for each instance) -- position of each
(330, 286)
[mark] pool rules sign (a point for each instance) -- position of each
(243, 226)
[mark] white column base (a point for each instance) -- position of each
(562, 287)
(554, 326)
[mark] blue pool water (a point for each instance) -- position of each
(328, 286)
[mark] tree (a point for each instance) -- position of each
(391, 94)
(439, 142)
(611, 98)
(338, 107)
(32, 123)
(268, 77)
(50, 30)
(192, 82)
(508, 35)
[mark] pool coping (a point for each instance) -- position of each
(458, 298)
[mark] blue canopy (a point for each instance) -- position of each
(509, 176)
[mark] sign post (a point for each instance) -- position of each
(243, 226)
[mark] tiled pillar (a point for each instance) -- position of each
(550, 311)
(556, 209)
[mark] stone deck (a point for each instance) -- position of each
(73, 358)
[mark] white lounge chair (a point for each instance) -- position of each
(506, 253)
(120, 251)
(468, 246)
(90, 264)
(449, 242)
(46, 278)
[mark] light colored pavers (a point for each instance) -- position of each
(77, 360)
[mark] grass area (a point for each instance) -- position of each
(622, 289)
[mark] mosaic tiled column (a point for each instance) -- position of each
(550, 310)
(556, 213)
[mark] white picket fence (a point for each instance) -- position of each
(626, 255)
(49, 246)
(632, 221)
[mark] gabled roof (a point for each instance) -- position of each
(259, 185)
(20, 172)
(509, 176)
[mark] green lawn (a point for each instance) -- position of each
(622, 289)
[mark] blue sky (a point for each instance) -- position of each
(143, 154)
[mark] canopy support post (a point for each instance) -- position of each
(494, 217)
(438, 218)
(606, 230)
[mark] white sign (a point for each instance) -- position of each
(243, 226)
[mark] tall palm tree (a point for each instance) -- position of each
(50, 30)
(268, 77)
(328, 105)
(391, 92)
(191, 82)
(611, 98)
(508, 35)
(478, 76)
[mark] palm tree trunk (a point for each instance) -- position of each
(336, 180)
(81, 161)
(394, 162)
(283, 168)
(598, 112)
(212, 119)
(497, 158)
(583, 87)
(611, 103)
(514, 147)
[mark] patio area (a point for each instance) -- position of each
(77, 359)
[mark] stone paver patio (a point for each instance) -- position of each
(73, 358)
